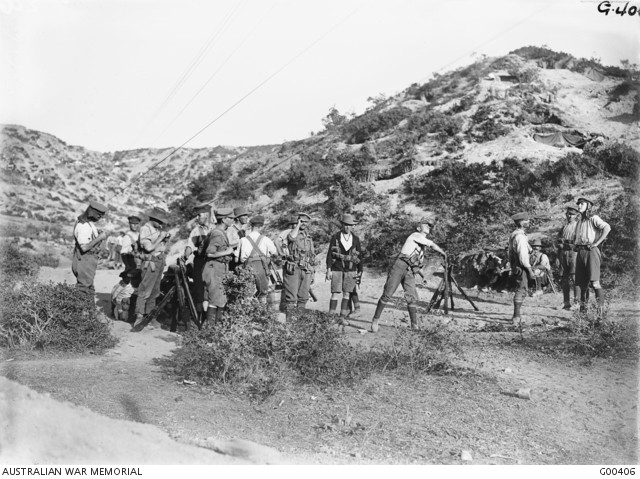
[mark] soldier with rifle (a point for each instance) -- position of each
(129, 251)
(256, 252)
(344, 267)
(197, 244)
(519, 251)
(87, 247)
(299, 265)
(407, 265)
(567, 257)
(219, 254)
(152, 245)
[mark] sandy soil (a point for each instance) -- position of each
(578, 413)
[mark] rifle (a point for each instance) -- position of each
(275, 276)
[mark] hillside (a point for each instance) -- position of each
(475, 145)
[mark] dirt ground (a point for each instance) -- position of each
(579, 412)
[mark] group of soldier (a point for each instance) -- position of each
(226, 239)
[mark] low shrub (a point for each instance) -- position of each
(16, 264)
(51, 317)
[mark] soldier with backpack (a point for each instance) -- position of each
(255, 251)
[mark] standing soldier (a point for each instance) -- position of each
(237, 230)
(591, 231)
(87, 247)
(344, 266)
(299, 270)
(197, 244)
(282, 246)
(219, 255)
(129, 250)
(519, 251)
(408, 263)
(256, 251)
(567, 257)
(152, 243)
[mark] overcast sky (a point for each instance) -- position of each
(121, 74)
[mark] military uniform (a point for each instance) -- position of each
(129, 249)
(409, 262)
(299, 269)
(85, 258)
(589, 230)
(519, 251)
(199, 238)
(152, 264)
(282, 246)
(567, 258)
(236, 232)
(219, 254)
(344, 264)
(255, 251)
(540, 265)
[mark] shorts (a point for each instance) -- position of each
(343, 282)
(587, 267)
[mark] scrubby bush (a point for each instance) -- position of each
(51, 317)
(433, 121)
(16, 264)
(372, 124)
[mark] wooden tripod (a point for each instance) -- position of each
(444, 291)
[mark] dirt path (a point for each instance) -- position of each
(578, 413)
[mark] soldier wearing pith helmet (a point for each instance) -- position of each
(87, 246)
(519, 252)
(344, 266)
(591, 231)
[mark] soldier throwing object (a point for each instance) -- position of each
(408, 263)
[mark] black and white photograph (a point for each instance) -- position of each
(319, 233)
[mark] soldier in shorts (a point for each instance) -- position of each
(219, 254)
(591, 231)
(344, 266)
(87, 247)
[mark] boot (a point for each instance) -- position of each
(413, 316)
(333, 305)
(211, 314)
(566, 296)
(376, 316)
(516, 312)
(354, 305)
(137, 325)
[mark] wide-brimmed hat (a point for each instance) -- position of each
(99, 207)
(134, 219)
(536, 242)
(572, 210)
(304, 216)
(202, 208)
(257, 220)
(581, 199)
(158, 215)
(520, 216)
(223, 213)
(240, 211)
(348, 219)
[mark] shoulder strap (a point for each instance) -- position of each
(254, 244)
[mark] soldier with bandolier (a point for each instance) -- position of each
(299, 267)
(407, 265)
(219, 254)
(87, 247)
(152, 245)
(344, 267)
(567, 257)
(197, 244)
